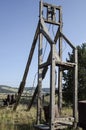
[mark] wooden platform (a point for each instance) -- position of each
(60, 123)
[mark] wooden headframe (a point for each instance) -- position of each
(54, 59)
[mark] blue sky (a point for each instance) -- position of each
(18, 21)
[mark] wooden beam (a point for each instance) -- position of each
(43, 26)
(43, 73)
(51, 22)
(52, 87)
(40, 60)
(75, 92)
(31, 53)
(57, 35)
(47, 4)
(46, 32)
(65, 65)
(36, 90)
(57, 57)
(45, 64)
(65, 38)
(59, 69)
(47, 37)
(33, 97)
(22, 84)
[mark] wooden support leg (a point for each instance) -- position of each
(52, 88)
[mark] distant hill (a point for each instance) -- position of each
(9, 89)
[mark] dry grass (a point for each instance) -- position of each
(67, 111)
(23, 119)
(19, 120)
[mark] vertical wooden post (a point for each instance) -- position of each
(60, 71)
(75, 93)
(52, 87)
(39, 102)
(39, 80)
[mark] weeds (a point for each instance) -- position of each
(22, 119)
(19, 120)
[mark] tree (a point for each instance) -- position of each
(68, 76)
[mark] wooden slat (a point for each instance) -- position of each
(64, 120)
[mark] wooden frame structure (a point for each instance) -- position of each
(54, 59)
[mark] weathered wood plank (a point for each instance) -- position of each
(44, 64)
(75, 90)
(59, 70)
(64, 120)
(65, 64)
(52, 87)
(47, 4)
